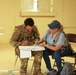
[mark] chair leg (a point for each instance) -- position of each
(62, 62)
(75, 63)
(54, 64)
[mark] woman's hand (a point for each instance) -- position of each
(43, 44)
(39, 41)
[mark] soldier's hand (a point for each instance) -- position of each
(37, 42)
(24, 43)
(31, 43)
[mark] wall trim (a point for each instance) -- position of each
(37, 14)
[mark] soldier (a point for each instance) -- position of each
(25, 35)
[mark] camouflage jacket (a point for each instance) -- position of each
(20, 34)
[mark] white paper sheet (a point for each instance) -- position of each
(25, 53)
(33, 48)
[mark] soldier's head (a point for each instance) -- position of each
(29, 23)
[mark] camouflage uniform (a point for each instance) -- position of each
(20, 34)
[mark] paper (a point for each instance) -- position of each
(33, 48)
(25, 53)
(37, 48)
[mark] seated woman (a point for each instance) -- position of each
(55, 39)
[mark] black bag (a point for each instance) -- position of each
(68, 49)
(74, 73)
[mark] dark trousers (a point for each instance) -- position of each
(57, 56)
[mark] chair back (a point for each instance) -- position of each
(71, 37)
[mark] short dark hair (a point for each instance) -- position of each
(29, 21)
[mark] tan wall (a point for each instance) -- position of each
(10, 16)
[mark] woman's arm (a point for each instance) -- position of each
(54, 48)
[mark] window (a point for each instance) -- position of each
(29, 5)
(37, 8)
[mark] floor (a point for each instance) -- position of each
(7, 60)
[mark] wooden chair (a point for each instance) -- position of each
(71, 38)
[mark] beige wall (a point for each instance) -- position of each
(10, 16)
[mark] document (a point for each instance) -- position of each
(33, 48)
(25, 51)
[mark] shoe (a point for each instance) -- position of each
(53, 72)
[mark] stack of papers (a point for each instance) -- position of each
(25, 51)
(33, 48)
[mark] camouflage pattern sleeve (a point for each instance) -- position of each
(37, 35)
(14, 38)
